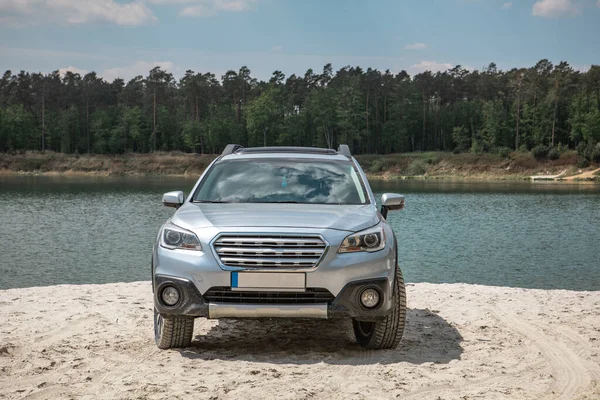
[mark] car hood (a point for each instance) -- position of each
(350, 218)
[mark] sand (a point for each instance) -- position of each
(584, 175)
(461, 342)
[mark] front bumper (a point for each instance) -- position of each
(345, 305)
(342, 276)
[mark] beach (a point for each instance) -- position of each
(402, 166)
(461, 342)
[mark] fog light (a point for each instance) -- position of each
(369, 298)
(170, 295)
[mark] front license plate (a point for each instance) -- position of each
(274, 281)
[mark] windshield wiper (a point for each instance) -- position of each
(211, 201)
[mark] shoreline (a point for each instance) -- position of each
(461, 340)
(409, 166)
(375, 177)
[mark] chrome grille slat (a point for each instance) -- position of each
(278, 252)
(270, 241)
(269, 251)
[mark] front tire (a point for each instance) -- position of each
(172, 332)
(387, 333)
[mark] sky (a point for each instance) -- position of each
(125, 38)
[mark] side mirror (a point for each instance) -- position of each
(173, 199)
(391, 201)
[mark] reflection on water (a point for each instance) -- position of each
(95, 230)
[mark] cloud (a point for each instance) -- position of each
(555, 8)
(277, 49)
(507, 5)
(20, 13)
(415, 46)
(138, 68)
(73, 12)
(432, 66)
(208, 8)
(581, 67)
(74, 70)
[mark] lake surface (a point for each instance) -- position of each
(97, 230)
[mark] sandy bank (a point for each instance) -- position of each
(429, 165)
(462, 341)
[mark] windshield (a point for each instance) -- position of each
(282, 181)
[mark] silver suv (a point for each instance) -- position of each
(279, 232)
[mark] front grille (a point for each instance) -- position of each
(267, 251)
(226, 295)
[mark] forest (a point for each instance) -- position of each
(544, 109)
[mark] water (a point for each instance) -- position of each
(98, 230)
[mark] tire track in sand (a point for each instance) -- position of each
(463, 391)
(570, 372)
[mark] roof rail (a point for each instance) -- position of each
(288, 149)
(231, 148)
(344, 150)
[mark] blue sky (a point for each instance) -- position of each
(126, 38)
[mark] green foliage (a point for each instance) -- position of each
(578, 118)
(265, 117)
(17, 128)
(589, 151)
(504, 152)
(30, 164)
(222, 129)
(476, 147)
(591, 128)
(595, 156)
(349, 112)
(554, 154)
(540, 151)
(583, 162)
(562, 148)
(495, 130)
(372, 111)
(462, 138)
(192, 135)
(432, 159)
(101, 129)
(322, 109)
(416, 167)
(582, 149)
(378, 165)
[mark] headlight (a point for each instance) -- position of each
(372, 239)
(174, 237)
